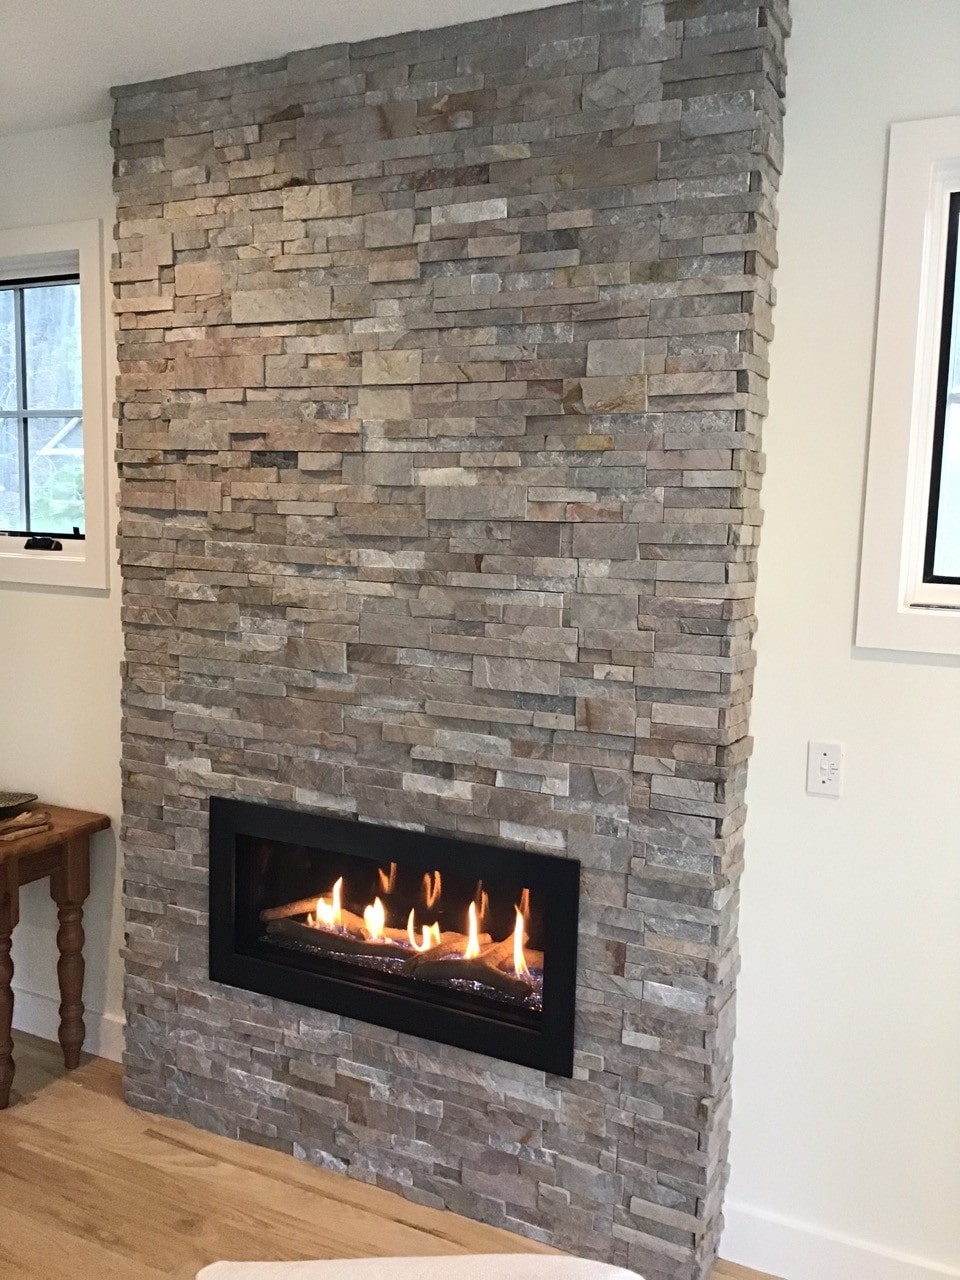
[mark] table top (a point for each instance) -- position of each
(65, 824)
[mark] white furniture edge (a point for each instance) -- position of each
(521, 1266)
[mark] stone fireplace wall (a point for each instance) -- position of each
(442, 375)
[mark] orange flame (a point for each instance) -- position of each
(473, 942)
(430, 934)
(330, 914)
(375, 919)
(388, 879)
(519, 960)
(432, 887)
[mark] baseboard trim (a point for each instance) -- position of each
(39, 1015)
(800, 1251)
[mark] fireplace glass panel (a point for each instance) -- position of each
(394, 927)
(464, 943)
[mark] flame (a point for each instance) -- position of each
(430, 934)
(473, 943)
(519, 960)
(330, 914)
(388, 879)
(375, 918)
(432, 887)
(525, 904)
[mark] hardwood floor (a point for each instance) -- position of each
(95, 1191)
(729, 1271)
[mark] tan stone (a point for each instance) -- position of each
(391, 366)
(385, 270)
(218, 371)
(612, 395)
(327, 200)
(280, 306)
(151, 302)
(199, 495)
(617, 715)
(392, 405)
(198, 277)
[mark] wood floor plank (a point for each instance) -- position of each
(730, 1271)
(129, 1196)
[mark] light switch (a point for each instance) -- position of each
(824, 768)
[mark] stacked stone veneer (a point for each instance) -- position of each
(442, 373)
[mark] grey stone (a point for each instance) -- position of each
(520, 674)
(383, 230)
(442, 369)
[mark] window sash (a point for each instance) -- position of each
(22, 413)
(897, 609)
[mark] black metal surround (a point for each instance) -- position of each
(240, 959)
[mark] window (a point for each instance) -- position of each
(942, 556)
(53, 528)
(910, 564)
(41, 413)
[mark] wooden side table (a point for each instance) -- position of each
(63, 854)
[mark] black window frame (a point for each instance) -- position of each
(22, 413)
(943, 396)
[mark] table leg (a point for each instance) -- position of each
(69, 886)
(7, 921)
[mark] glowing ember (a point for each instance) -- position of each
(519, 960)
(375, 918)
(330, 914)
(472, 949)
(430, 935)
(432, 887)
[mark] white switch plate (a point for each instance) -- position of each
(824, 768)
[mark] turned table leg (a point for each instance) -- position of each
(8, 918)
(69, 886)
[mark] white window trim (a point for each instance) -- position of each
(897, 610)
(69, 246)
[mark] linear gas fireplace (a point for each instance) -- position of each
(464, 943)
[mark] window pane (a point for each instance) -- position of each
(942, 559)
(56, 474)
(946, 560)
(11, 516)
(8, 350)
(51, 321)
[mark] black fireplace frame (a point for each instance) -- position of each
(549, 1047)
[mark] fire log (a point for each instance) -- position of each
(327, 940)
(307, 906)
(533, 958)
(451, 944)
(477, 970)
(302, 908)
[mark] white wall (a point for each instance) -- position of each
(846, 1132)
(59, 650)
